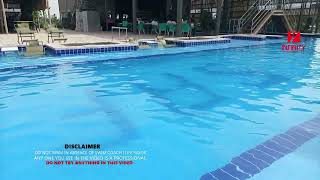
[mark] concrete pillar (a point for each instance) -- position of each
(179, 16)
(134, 15)
(49, 16)
(318, 18)
(218, 16)
(168, 6)
(300, 15)
(4, 17)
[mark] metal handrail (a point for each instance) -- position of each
(233, 25)
(239, 23)
(249, 13)
(289, 13)
(260, 16)
(250, 8)
(264, 8)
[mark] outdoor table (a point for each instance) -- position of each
(119, 30)
(23, 22)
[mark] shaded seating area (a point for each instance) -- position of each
(168, 29)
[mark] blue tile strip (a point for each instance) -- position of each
(253, 161)
(41, 66)
(91, 50)
(22, 48)
(201, 43)
(252, 38)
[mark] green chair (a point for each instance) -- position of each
(125, 24)
(172, 29)
(162, 28)
(141, 27)
(186, 29)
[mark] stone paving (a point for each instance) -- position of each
(9, 40)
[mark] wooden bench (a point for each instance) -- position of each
(59, 39)
(55, 34)
(32, 42)
(22, 35)
(23, 30)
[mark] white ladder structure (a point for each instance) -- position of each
(260, 12)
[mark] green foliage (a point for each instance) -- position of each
(56, 22)
(40, 19)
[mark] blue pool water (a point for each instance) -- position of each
(191, 112)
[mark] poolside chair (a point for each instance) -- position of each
(55, 34)
(141, 27)
(125, 24)
(162, 28)
(23, 30)
(186, 29)
(172, 29)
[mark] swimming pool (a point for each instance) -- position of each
(191, 112)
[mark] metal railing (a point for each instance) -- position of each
(265, 9)
(290, 13)
(260, 11)
(237, 24)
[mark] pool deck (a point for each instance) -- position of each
(102, 42)
(16, 63)
(10, 40)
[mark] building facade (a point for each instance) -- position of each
(18, 10)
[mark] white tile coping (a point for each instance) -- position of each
(198, 40)
(9, 49)
(62, 47)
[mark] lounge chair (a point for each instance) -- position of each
(56, 34)
(23, 30)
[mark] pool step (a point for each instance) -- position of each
(150, 43)
(6, 50)
(198, 42)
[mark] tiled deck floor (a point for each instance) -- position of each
(73, 37)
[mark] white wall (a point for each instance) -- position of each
(54, 5)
